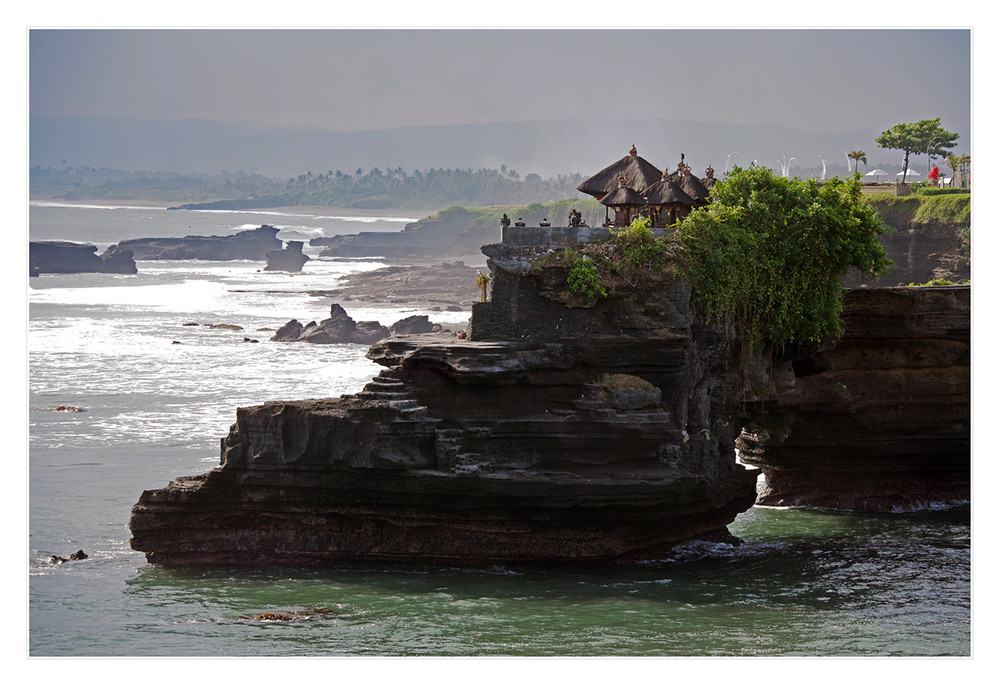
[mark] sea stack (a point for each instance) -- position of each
(555, 434)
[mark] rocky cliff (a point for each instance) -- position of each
(253, 244)
(605, 434)
(928, 238)
(64, 257)
(881, 420)
(568, 430)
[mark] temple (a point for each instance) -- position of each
(633, 187)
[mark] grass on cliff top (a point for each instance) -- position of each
(945, 208)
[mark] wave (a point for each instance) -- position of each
(367, 220)
(89, 206)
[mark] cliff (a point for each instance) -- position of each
(928, 239)
(606, 435)
(63, 257)
(570, 430)
(881, 420)
(253, 244)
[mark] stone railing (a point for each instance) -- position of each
(556, 235)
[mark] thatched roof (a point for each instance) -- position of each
(623, 196)
(692, 187)
(640, 173)
(666, 192)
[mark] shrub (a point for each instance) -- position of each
(583, 277)
(769, 253)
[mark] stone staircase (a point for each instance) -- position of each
(388, 389)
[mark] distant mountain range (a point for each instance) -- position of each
(548, 148)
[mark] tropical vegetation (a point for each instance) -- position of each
(766, 257)
(375, 189)
(922, 137)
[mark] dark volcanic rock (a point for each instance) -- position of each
(506, 447)
(63, 257)
(253, 244)
(416, 324)
(339, 328)
(452, 286)
(881, 421)
(289, 259)
(488, 450)
(920, 252)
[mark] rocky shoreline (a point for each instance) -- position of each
(516, 447)
(65, 257)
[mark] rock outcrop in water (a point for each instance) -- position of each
(881, 420)
(431, 237)
(252, 244)
(64, 257)
(341, 328)
(517, 446)
(574, 431)
(287, 259)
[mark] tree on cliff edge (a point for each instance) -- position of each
(769, 253)
(924, 137)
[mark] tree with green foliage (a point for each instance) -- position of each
(767, 256)
(858, 156)
(922, 137)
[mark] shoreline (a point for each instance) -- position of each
(304, 210)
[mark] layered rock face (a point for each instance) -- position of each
(585, 434)
(920, 253)
(881, 421)
(253, 244)
(64, 257)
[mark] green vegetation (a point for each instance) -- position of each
(925, 137)
(376, 189)
(768, 254)
(632, 258)
(944, 205)
(937, 282)
(766, 257)
(482, 283)
(858, 156)
(583, 277)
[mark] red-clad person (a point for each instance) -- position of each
(933, 176)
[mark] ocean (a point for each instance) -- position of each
(157, 394)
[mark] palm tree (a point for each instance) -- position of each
(858, 155)
(482, 282)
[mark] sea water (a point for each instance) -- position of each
(158, 393)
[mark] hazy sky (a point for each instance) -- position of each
(810, 80)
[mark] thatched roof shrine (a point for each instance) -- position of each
(623, 197)
(640, 174)
(666, 192)
(692, 186)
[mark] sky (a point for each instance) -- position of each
(807, 79)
